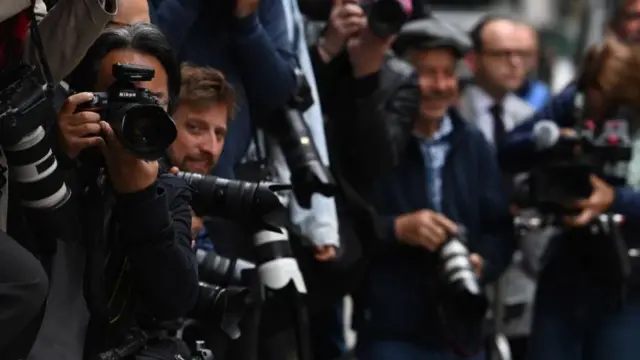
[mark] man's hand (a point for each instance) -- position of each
(81, 130)
(424, 228)
(325, 253)
(478, 264)
(245, 8)
(128, 174)
(196, 225)
(600, 200)
(347, 19)
(367, 53)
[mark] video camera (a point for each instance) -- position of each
(141, 125)
(566, 160)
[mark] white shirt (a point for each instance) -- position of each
(482, 104)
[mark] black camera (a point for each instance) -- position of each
(308, 173)
(566, 161)
(233, 199)
(222, 307)
(141, 125)
(386, 17)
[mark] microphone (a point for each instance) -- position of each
(546, 134)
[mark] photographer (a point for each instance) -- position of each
(133, 263)
(583, 309)
(364, 90)
(247, 41)
(206, 105)
(446, 190)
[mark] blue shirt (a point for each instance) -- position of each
(434, 152)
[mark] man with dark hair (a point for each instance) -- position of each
(134, 263)
(500, 68)
(490, 102)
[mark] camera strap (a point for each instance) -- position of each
(37, 42)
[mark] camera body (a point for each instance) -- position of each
(386, 17)
(141, 125)
(566, 162)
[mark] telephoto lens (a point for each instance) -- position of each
(233, 199)
(308, 173)
(462, 304)
(217, 269)
(460, 283)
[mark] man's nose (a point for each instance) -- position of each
(209, 145)
(442, 84)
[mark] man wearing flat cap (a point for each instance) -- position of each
(448, 184)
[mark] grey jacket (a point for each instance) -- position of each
(67, 31)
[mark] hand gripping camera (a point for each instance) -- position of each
(141, 125)
(463, 303)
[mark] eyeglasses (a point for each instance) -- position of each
(506, 54)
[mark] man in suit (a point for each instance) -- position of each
(500, 68)
(491, 102)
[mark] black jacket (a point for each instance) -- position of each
(369, 119)
(140, 265)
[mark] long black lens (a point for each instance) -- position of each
(232, 199)
(308, 174)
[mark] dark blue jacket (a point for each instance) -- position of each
(518, 154)
(400, 290)
(254, 54)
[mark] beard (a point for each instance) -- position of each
(200, 164)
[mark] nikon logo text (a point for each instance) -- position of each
(126, 94)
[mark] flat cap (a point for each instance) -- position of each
(431, 33)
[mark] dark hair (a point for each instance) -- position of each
(476, 32)
(145, 38)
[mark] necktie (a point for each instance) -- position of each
(499, 131)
